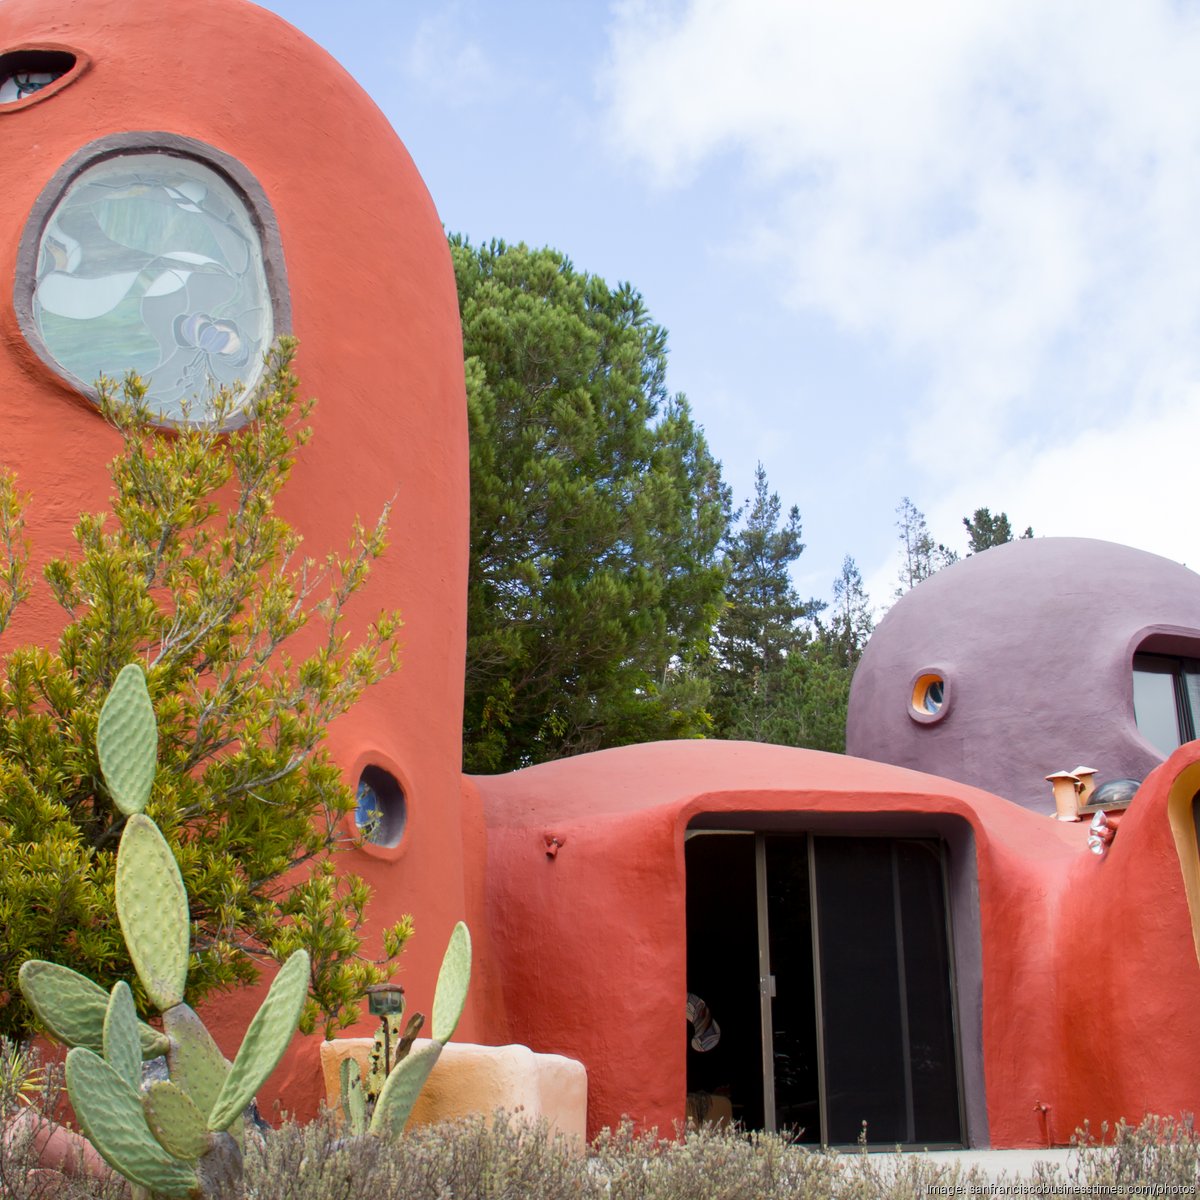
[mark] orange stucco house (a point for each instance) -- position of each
(877, 942)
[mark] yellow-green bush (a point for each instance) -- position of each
(194, 575)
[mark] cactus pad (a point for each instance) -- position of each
(72, 1008)
(411, 1030)
(153, 910)
(110, 1113)
(401, 1090)
(453, 981)
(265, 1041)
(354, 1102)
(127, 741)
(122, 1047)
(194, 1061)
(176, 1122)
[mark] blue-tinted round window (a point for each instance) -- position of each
(381, 809)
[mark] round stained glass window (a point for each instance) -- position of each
(381, 808)
(151, 262)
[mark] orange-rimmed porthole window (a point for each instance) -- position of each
(929, 698)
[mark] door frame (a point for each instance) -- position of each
(961, 896)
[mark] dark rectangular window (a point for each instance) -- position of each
(1166, 699)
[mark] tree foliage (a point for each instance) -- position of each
(773, 681)
(596, 513)
(801, 702)
(985, 531)
(920, 555)
(763, 613)
(195, 576)
(847, 628)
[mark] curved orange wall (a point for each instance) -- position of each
(1090, 987)
(374, 307)
(1129, 1012)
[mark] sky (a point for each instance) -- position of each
(944, 250)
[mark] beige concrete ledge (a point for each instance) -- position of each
(479, 1079)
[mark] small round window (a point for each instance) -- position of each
(929, 697)
(150, 262)
(381, 811)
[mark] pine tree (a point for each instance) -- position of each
(596, 514)
(771, 680)
(920, 555)
(849, 623)
(985, 531)
(763, 613)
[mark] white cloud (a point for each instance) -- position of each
(447, 62)
(1006, 195)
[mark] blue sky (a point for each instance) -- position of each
(948, 250)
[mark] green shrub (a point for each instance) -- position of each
(31, 1089)
(194, 575)
(469, 1158)
(713, 1163)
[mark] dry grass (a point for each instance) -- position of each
(30, 1090)
(509, 1158)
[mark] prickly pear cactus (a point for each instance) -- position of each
(384, 1054)
(127, 741)
(72, 1008)
(414, 1026)
(405, 1082)
(152, 907)
(176, 1138)
(388, 1107)
(354, 1101)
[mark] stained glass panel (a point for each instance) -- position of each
(150, 262)
(24, 83)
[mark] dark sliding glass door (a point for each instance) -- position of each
(851, 1001)
(887, 1018)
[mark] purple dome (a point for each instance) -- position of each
(1032, 644)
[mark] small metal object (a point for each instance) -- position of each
(1112, 796)
(384, 999)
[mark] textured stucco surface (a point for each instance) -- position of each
(470, 1079)
(374, 308)
(1035, 640)
(1071, 948)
